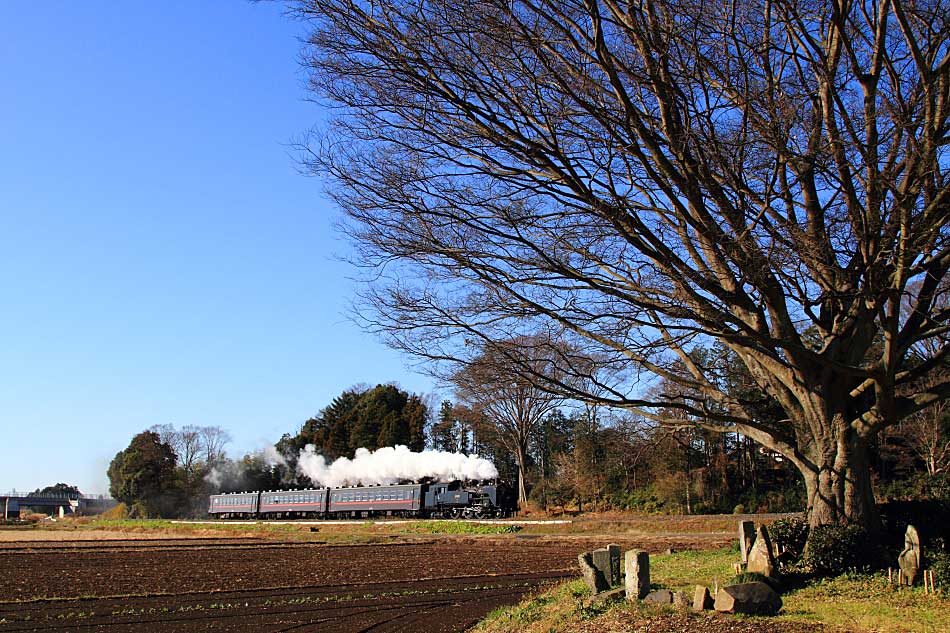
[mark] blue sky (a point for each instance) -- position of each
(163, 261)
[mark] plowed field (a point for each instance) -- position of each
(245, 585)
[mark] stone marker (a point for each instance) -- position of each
(614, 551)
(754, 598)
(662, 596)
(910, 559)
(637, 568)
(681, 599)
(761, 560)
(592, 576)
(746, 537)
(601, 560)
(701, 599)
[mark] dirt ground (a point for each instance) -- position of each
(121, 582)
(246, 585)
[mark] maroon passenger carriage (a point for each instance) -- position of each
(397, 500)
(240, 505)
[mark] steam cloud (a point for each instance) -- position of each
(390, 465)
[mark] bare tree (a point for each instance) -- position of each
(643, 177)
(928, 434)
(513, 404)
(188, 446)
(213, 440)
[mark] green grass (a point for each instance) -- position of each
(685, 570)
(865, 602)
(552, 610)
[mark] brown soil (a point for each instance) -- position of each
(253, 584)
(188, 585)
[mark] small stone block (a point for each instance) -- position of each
(637, 568)
(753, 598)
(702, 601)
(660, 596)
(605, 597)
(681, 599)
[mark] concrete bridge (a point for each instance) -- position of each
(61, 504)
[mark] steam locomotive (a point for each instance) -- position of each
(453, 500)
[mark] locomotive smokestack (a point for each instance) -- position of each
(391, 465)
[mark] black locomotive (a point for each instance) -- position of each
(438, 500)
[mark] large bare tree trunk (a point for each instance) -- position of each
(522, 490)
(836, 469)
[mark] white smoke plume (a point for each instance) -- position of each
(272, 457)
(390, 465)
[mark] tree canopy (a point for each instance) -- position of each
(364, 418)
(638, 178)
(143, 476)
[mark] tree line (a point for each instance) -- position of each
(570, 458)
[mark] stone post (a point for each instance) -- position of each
(614, 551)
(746, 538)
(637, 568)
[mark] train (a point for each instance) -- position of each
(454, 500)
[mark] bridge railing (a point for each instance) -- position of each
(54, 496)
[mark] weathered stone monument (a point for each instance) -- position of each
(910, 558)
(746, 537)
(601, 560)
(761, 559)
(637, 569)
(593, 577)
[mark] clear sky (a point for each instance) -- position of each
(161, 258)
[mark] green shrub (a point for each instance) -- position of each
(939, 563)
(833, 550)
(789, 536)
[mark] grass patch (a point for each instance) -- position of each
(557, 609)
(856, 602)
(685, 570)
(864, 602)
(456, 527)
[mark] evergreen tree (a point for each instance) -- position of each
(143, 476)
